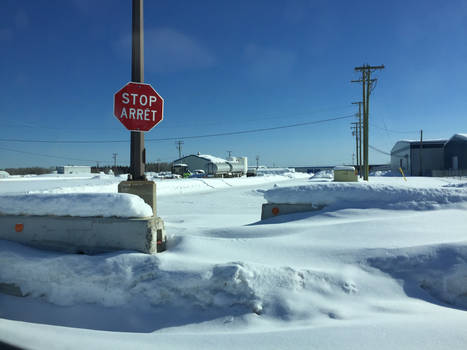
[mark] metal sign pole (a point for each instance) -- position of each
(137, 152)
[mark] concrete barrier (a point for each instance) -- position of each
(89, 235)
(345, 174)
(270, 210)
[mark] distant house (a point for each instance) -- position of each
(74, 169)
(211, 165)
(417, 159)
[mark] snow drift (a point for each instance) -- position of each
(116, 279)
(440, 270)
(367, 195)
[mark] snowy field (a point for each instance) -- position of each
(382, 266)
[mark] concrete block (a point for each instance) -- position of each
(275, 209)
(143, 189)
(345, 174)
(89, 235)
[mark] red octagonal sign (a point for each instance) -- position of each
(138, 106)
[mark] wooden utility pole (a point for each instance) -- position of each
(354, 129)
(114, 156)
(366, 87)
(421, 149)
(179, 147)
(359, 135)
(137, 152)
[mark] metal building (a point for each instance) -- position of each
(211, 165)
(418, 159)
(455, 153)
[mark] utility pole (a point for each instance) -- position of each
(230, 154)
(114, 156)
(179, 144)
(138, 152)
(366, 87)
(257, 162)
(421, 150)
(354, 129)
(359, 156)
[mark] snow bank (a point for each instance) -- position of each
(212, 159)
(78, 204)
(193, 185)
(114, 280)
(367, 195)
(274, 171)
(438, 270)
(344, 167)
(323, 174)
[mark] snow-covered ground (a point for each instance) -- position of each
(383, 265)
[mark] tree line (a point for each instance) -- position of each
(119, 169)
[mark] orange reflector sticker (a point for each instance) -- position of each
(275, 210)
(19, 227)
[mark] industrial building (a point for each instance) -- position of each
(406, 155)
(431, 157)
(74, 169)
(210, 165)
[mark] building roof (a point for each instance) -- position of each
(432, 141)
(212, 159)
(462, 137)
(207, 157)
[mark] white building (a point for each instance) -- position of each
(74, 169)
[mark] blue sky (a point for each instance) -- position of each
(227, 66)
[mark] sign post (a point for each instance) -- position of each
(137, 152)
(139, 108)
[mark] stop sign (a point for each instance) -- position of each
(138, 106)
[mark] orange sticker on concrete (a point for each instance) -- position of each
(19, 227)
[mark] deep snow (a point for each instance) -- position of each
(355, 275)
(75, 204)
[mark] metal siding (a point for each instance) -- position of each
(193, 162)
(456, 147)
(432, 159)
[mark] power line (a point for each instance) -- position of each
(394, 131)
(51, 156)
(378, 150)
(250, 131)
(266, 116)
